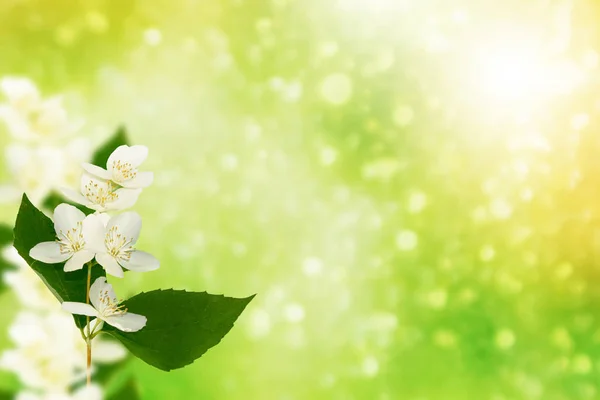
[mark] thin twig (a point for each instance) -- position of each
(89, 339)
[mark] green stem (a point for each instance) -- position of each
(88, 337)
(93, 332)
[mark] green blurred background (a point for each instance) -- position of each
(410, 186)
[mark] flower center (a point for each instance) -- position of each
(72, 240)
(99, 194)
(118, 245)
(123, 171)
(111, 307)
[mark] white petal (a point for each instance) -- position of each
(127, 322)
(129, 224)
(79, 308)
(97, 328)
(140, 261)
(93, 182)
(126, 198)
(93, 323)
(104, 217)
(114, 156)
(93, 232)
(76, 197)
(110, 293)
(96, 171)
(100, 285)
(91, 186)
(79, 258)
(66, 218)
(142, 180)
(109, 264)
(134, 155)
(96, 290)
(48, 252)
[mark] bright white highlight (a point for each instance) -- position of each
(509, 73)
(517, 70)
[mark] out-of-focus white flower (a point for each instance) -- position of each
(34, 170)
(74, 153)
(106, 351)
(50, 355)
(75, 232)
(29, 117)
(22, 94)
(121, 167)
(106, 307)
(28, 287)
(39, 170)
(116, 251)
(92, 392)
(46, 357)
(9, 193)
(102, 195)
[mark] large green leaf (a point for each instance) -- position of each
(33, 227)
(181, 325)
(6, 238)
(101, 155)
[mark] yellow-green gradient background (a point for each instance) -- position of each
(410, 186)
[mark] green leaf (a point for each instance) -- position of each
(181, 325)
(6, 238)
(129, 391)
(33, 227)
(101, 155)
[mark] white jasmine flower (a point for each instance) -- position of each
(102, 195)
(106, 308)
(117, 248)
(92, 392)
(121, 167)
(75, 234)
